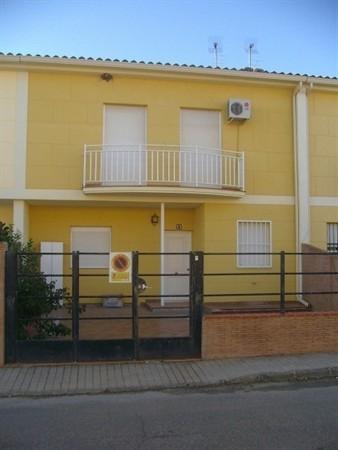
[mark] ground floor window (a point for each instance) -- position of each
(332, 237)
(92, 240)
(253, 236)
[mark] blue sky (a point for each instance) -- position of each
(299, 36)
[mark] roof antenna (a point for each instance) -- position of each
(251, 50)
(215, 47)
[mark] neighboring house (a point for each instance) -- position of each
(93, 152)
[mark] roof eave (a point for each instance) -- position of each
(26, 62)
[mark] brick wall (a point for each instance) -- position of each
(3, 248)
(269, 334)
(322, 261)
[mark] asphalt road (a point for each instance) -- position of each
(288, 417)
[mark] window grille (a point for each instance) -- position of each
(253, 237)
(332, 237)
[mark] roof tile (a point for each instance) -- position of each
(247, 69)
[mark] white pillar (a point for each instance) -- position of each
(21, 218)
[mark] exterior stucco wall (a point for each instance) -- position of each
(6, 213)
(323, 122)
(66, 111)
(8, 115)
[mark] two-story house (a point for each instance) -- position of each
(100, 155)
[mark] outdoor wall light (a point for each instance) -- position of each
(154, 219)
(106, 76)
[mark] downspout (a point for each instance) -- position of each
(301, 175)
(162, 224)
(298, 258)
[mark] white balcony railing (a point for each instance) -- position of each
(163, 165)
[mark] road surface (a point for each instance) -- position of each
(271, 417)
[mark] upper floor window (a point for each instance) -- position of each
(123, 151)
(253, 243)
(332, 237)
(200, 149)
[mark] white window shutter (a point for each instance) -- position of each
(52, 264)
(92, 240)
(124, 151)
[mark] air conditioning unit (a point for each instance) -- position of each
(239, 109)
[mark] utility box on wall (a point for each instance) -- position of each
(239, 109)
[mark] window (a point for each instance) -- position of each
(332, 237)
(253, 237)
(200, 147)
(92, 240)
(124, 138)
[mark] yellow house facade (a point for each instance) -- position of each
(105, 156)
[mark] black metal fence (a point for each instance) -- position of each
(278, 286)
(77, 328)
(91, 332)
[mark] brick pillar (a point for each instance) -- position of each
(3, 248)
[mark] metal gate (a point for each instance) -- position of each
(70, 331)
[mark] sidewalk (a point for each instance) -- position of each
(32, 381)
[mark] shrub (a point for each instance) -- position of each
(36, 297)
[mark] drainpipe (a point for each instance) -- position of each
(162, 224)
(302, 174)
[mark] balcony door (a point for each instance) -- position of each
(124, 149)
(200, 150)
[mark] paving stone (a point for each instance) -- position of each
(81, 381)
(8, 379)
(149, 373)
(81, 378)
(166, 378)
(50, 379)
(178, 373)
(41, 386)
(115, 378)
(103, 376)
(19, 380)
(27, 380)
(168, 375)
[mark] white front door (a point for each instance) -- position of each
(124, 150)
(200, 150)
(176, 242)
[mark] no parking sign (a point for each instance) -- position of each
(120, 267)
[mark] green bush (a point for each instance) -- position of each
(36, 297)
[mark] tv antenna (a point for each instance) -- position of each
(251, 49)
(215, 47)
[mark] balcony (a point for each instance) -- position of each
(163, 169)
